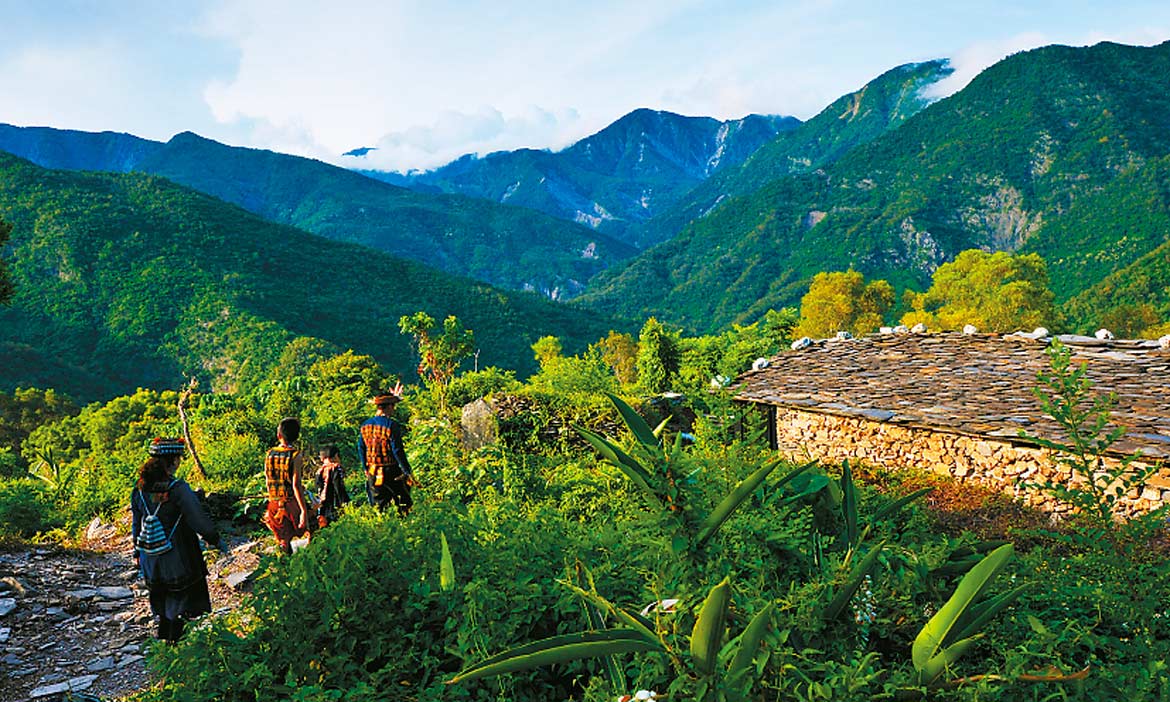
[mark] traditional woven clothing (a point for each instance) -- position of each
(184, 594)
(284, 511)
(383, 457)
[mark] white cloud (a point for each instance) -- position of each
(455, 134)
(428, 82)
(973, 59)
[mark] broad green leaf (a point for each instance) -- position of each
(935, 667)
(893, 508)
(729, 504)
(634, 422)
(977, 616)
(750, 640)
(708, 631)
(633, 621)
(558, 649)
(853, 582)
(937, 632)
(657, 431)
(446, 567)
(849, 504)
(622, 460)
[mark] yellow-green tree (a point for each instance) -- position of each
(620, 351)
(843, 301)
(996, 292)
(547, 350)
(439, 354)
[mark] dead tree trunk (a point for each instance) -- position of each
(198, 473)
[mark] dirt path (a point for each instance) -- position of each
(78, 618)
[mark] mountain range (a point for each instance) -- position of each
(511, 247)
(1059, 151)
(1034, 155)
(613, 181)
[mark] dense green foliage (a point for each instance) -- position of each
(5, 278)
(1136, 298)
(128, 280)
(994, 292)
(829, 581)
(843, 301)
(1041, 134)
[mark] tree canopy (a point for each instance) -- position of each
(995, 292)
(843, 301)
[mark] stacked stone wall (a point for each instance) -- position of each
(1001, 465)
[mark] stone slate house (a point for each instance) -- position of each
(956, 403)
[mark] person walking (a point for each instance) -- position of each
(167, 521)
(383, 455)
(287, 514)
(331, 490)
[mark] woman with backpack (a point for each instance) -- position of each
(167, 517)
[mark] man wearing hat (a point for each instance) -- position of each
(383, 456)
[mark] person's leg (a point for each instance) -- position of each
(401, 497)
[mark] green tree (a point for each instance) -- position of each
(6, 286)
(843, 301)
(547, 350)
(25, 410)
(439, 354)
(659, 356)
(995, 292)
(620, 351)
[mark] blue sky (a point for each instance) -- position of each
(428, 81)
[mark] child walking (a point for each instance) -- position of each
(330, 486)
(287, 515)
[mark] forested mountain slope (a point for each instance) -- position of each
(510, 247)
(130, 280)
(853, 119)
(1040, 136)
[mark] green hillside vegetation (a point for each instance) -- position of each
(1132, 302)
(506, 246)
(129, 280)
(815, 581)
(991, 167)
(853, 119)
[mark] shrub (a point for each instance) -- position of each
(26, 508)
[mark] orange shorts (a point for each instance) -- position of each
(281, 518)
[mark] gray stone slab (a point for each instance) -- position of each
(81, 682)
(115, 592)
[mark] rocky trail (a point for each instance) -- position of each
(75, 623)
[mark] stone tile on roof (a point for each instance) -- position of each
(977, 384)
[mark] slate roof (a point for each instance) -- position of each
(978, 384)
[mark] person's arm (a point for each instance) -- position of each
(398, 447)
(135, 521)
(339, 481)
(361, 451)
(295, 466)
(195, 515)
